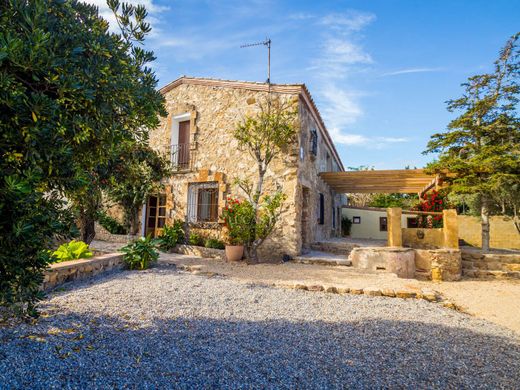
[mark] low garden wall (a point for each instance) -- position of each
(67, 271)
(502, 231)
(201, 251)
(429, 264)
(104, 235)
(490, 265)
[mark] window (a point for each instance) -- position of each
(314, 142)
(411, 222)
(203, 202)
(333, 217)
(356, 220)
(383, 225)
(321, 219)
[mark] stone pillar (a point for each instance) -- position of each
(450, 229)
(395, 234)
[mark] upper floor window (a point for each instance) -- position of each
(314, 142)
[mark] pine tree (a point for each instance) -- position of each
(481, 147)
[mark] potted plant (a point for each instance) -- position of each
(237, 217)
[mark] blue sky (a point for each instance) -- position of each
(379, 71)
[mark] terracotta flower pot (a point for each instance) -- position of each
(234, 252)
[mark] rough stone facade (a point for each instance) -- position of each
(214, 108)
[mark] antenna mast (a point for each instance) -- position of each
(267, 43)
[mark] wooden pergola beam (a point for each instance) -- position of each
(384, 181)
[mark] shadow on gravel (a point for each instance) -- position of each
(105, 352)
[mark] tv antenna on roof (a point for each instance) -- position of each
(267, 43)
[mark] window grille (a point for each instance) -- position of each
(203, 202)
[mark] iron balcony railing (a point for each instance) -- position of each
(181, 157)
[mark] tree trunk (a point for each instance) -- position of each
(484, 213)
(86, 225)
(134, 222)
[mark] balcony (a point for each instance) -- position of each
(182, 157)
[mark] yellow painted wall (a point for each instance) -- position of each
(369, 226)
(502, 231)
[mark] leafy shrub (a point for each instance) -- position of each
(240, 220)
(178, 227)
(111, 224)
(169, 238)
(346, 225)
(73, 250)
(214, 243)
(196, 239)
(140, 253)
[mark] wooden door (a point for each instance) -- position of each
(184, 143)
(155, 215)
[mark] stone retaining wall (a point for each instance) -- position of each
(104, 235)
(490, 265)
(201, 251)
(67, 271)
(425, 264)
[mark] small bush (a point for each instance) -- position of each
(71, 251)
(346, 225)
(178, 227)
(214, 243)
(141, 253)
(196, 239)
(169, 238)
(111, 224)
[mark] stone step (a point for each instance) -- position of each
(338, 248)
(322, 258)
(490, 274)
(490, 266)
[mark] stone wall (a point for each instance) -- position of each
(433, 264)
(104, 235)
(490, 265)
(423, 238)
(503, 233)
(201, 251)
(67, 271)
(308, 178)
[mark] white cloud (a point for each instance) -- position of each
(412, 70)
(364, 141)
(348, 21)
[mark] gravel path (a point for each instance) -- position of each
(162, 329)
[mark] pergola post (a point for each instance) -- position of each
(450, 228)
(395, 233)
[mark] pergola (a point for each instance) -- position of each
(404, 181)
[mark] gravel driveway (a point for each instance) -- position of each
(162, 328)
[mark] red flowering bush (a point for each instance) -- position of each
(239, 217)
(434, 201)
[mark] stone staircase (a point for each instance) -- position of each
(327, 253)
(490, 265)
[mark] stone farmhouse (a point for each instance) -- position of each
(197, 135)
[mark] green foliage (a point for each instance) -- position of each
(196, 239)
(214, 243)
(480, 147)
(136, 174)
(29, 219)
(72, 94)
(111, 224)
(239, 217)
(141, 253)
(172, 235)
(405, 201)
(73, 250)
(346, 225)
